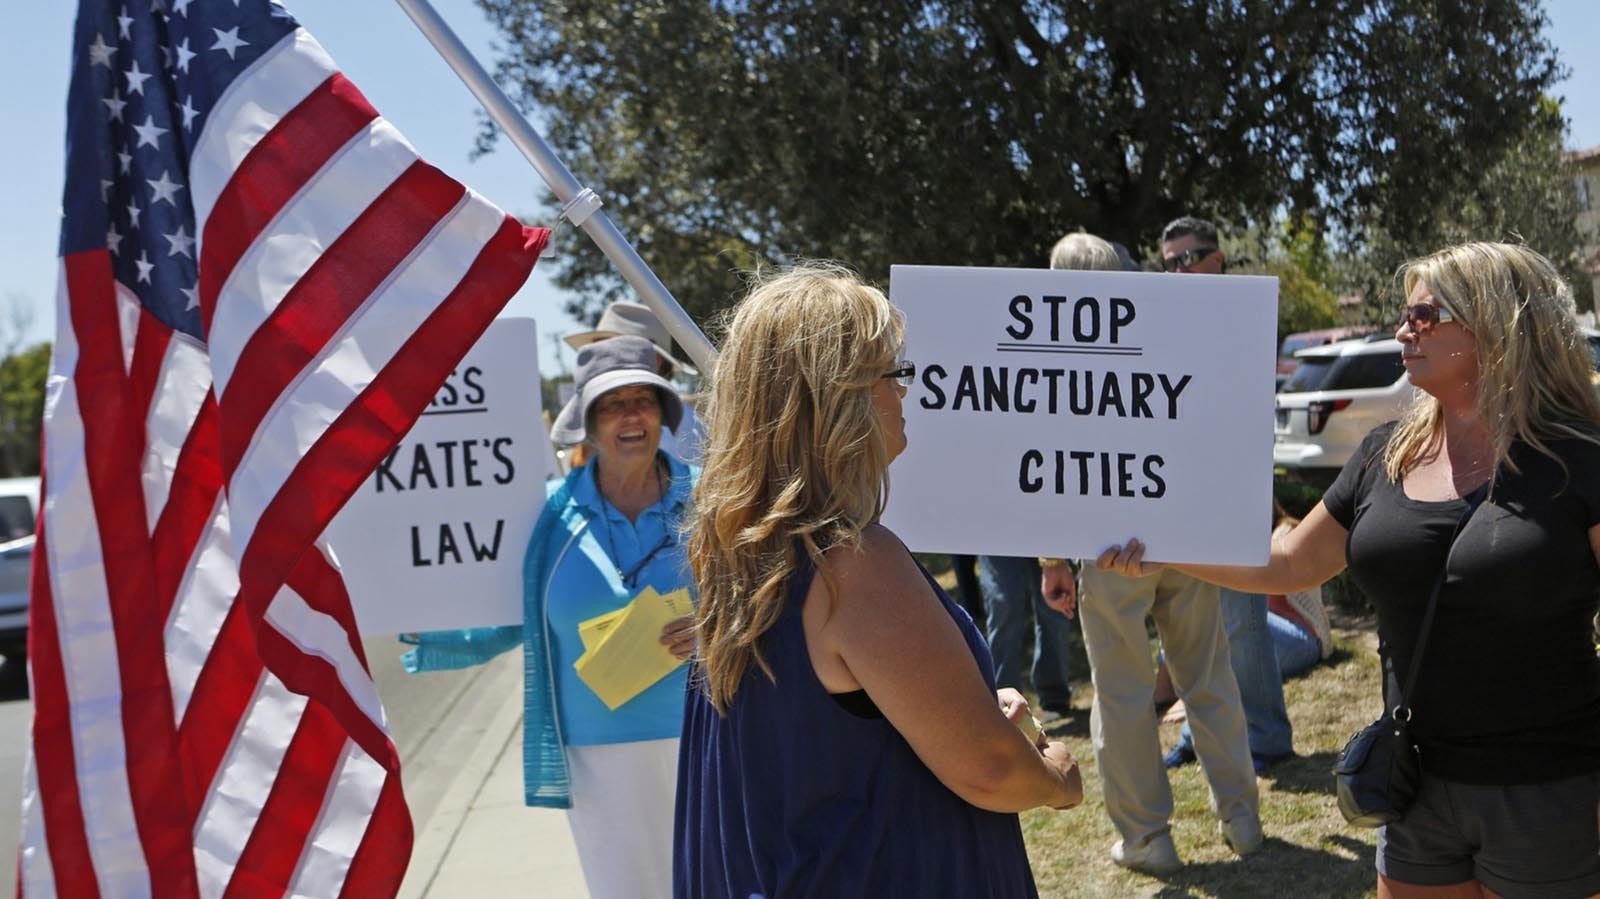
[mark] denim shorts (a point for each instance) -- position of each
(1529, 840)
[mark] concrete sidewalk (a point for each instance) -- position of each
(480, 840)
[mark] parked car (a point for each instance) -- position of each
(19, 508)
(1339, 393)
(1302, 340)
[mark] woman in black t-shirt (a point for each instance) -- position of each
(1506, 709)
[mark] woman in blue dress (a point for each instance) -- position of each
(609, 530)
(842, 733)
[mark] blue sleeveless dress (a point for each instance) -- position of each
(790, 795)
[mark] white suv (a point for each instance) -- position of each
(1338, 394)
(19, 507)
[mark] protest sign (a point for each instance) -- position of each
(1057, 412)
(434, 539)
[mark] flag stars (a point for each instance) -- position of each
(189, 112)
(191, 298)
(100, 52)
(145, 266)
(136, 79)
(149, 132)
(229, 41)
(164, 189)
(184, 55)
(178, 7)
(125, 162)
(180, 244)
(113, 239)
(114, 105)
(133, 213)
(123, 23)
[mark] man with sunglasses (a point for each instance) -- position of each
(1138, 797)
(1189, 245)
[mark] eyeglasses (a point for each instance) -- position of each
(1423, 317)
(610, 405)
(1187, 258)
(904, 373)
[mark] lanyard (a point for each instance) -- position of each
(630, 577)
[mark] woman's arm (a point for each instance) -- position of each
(1309, 555)
(886, 632)
(448, 650)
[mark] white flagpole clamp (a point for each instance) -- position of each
(580, 207)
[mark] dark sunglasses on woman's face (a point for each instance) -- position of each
(904, 373)
(1424, 317)
(1187, 258)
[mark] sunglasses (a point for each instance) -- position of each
(904, 373)
(1186, 259)
(1424, 317)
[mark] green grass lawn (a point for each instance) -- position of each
(1309, 852)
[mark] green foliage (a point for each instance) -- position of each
(550, 393)
(22, 386)
(725, 135)
(1293, 252)
(1523, 196)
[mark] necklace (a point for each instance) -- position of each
(630, 577)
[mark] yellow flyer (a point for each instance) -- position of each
(629, 655)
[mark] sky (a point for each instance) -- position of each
(378, 47)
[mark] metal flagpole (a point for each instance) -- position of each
(579, 204)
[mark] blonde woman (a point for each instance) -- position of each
(842, 734)
(1506, 708)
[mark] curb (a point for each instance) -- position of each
(437, 837)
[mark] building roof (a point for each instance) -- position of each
(1576, 156)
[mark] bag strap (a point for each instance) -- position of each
(1401, 711)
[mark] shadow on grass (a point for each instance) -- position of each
(13, 680)
(1278, 869)
(1305, 774)
(1073, 725)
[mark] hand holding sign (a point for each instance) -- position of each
(1127, 560)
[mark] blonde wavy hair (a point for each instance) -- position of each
(1534, 364)
(794, 454)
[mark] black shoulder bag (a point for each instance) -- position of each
(1378, 771)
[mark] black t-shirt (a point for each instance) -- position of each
(1509, 689)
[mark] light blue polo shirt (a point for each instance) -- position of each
(585, 583)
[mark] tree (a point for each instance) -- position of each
(22, 387)
(726, 134)
(1525, 196)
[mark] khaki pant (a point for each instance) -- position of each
(1123, 723)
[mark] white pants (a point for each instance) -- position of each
(623, 798)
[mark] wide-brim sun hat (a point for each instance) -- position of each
(630, 320)
(604, 366)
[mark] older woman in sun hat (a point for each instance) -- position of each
(622, 319)
(609, 530)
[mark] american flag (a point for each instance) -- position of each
(262, 287)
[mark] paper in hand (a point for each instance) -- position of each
(629, 656)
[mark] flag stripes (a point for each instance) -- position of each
(205, 722)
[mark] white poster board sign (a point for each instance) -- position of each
(434, 539)
(1055, 413)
